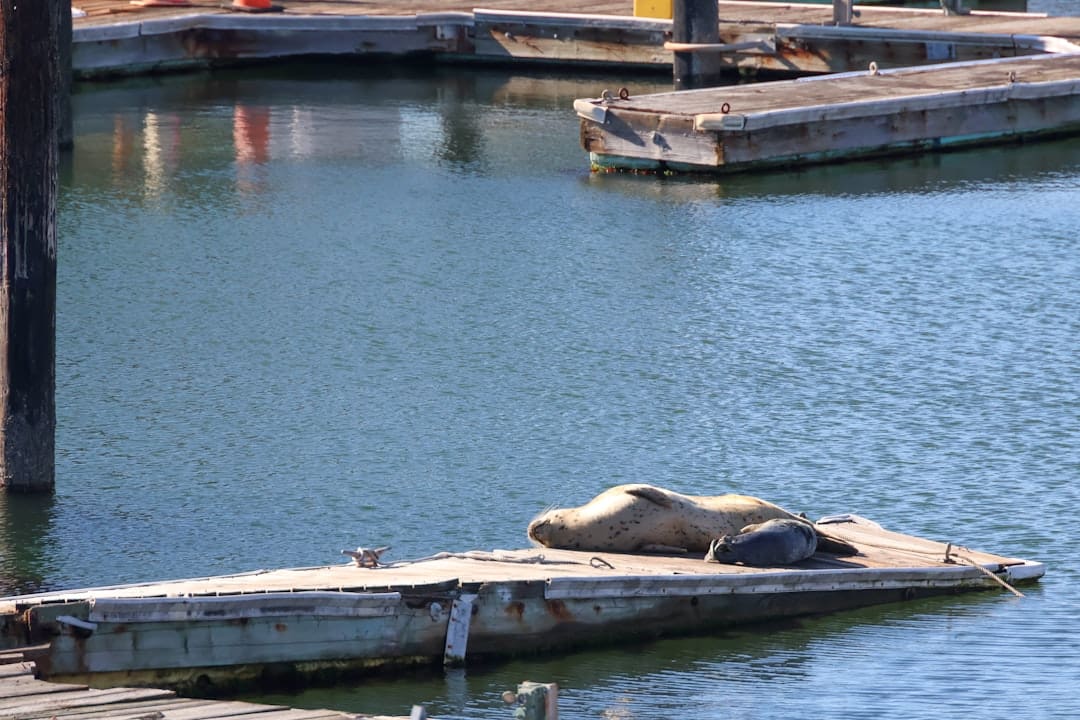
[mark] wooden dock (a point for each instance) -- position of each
(836, 117)
(25, 697)
(114, 37)
(451, 608)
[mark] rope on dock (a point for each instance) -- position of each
(489, 557)
(951, 558)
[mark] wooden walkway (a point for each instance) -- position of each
(23, 697)
(116, 37)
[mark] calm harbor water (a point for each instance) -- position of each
(309, 309)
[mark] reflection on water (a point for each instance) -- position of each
(307, 115)
(26, 524)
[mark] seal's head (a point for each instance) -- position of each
(547, 526)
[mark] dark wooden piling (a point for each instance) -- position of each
(697, 22)
(29, 77)
(65, 129)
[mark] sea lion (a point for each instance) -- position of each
(644, 518)
(768, 544)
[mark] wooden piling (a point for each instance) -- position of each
(537, 701)
(695, 22)
(843, 12)
(65, 130)
(29, 76)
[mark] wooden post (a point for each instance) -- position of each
(696, 21)
(535, 701)
(842, 12)
(29, 76)
(65, 130)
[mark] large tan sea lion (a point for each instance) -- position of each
(644, 518)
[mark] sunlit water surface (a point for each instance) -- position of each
(301, 311)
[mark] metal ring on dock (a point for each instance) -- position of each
(725, 108)
(624, 94)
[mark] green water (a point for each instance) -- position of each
(305, 310)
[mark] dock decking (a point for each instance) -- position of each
(814, 120)
(454, 607)
(24, 697)
(116, 37)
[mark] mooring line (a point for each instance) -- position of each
(950, 558)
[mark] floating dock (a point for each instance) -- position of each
(114, 37)
(220, 633)
(834, 117)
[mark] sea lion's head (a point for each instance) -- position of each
(548, 528)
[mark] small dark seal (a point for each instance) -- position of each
(767, 544)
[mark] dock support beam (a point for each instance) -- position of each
(29, 79)
(696, 21)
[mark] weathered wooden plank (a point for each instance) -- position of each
(180, 709)
(25, 686)
(125, 710)
(296, 714)
(80, 698)
(763, 583)
(16, 669)
(904, 103)
(221, 709)
(237, 607)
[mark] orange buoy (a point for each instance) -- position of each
(254, 6)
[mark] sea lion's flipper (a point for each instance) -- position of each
(652, 494)
(836, 546)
